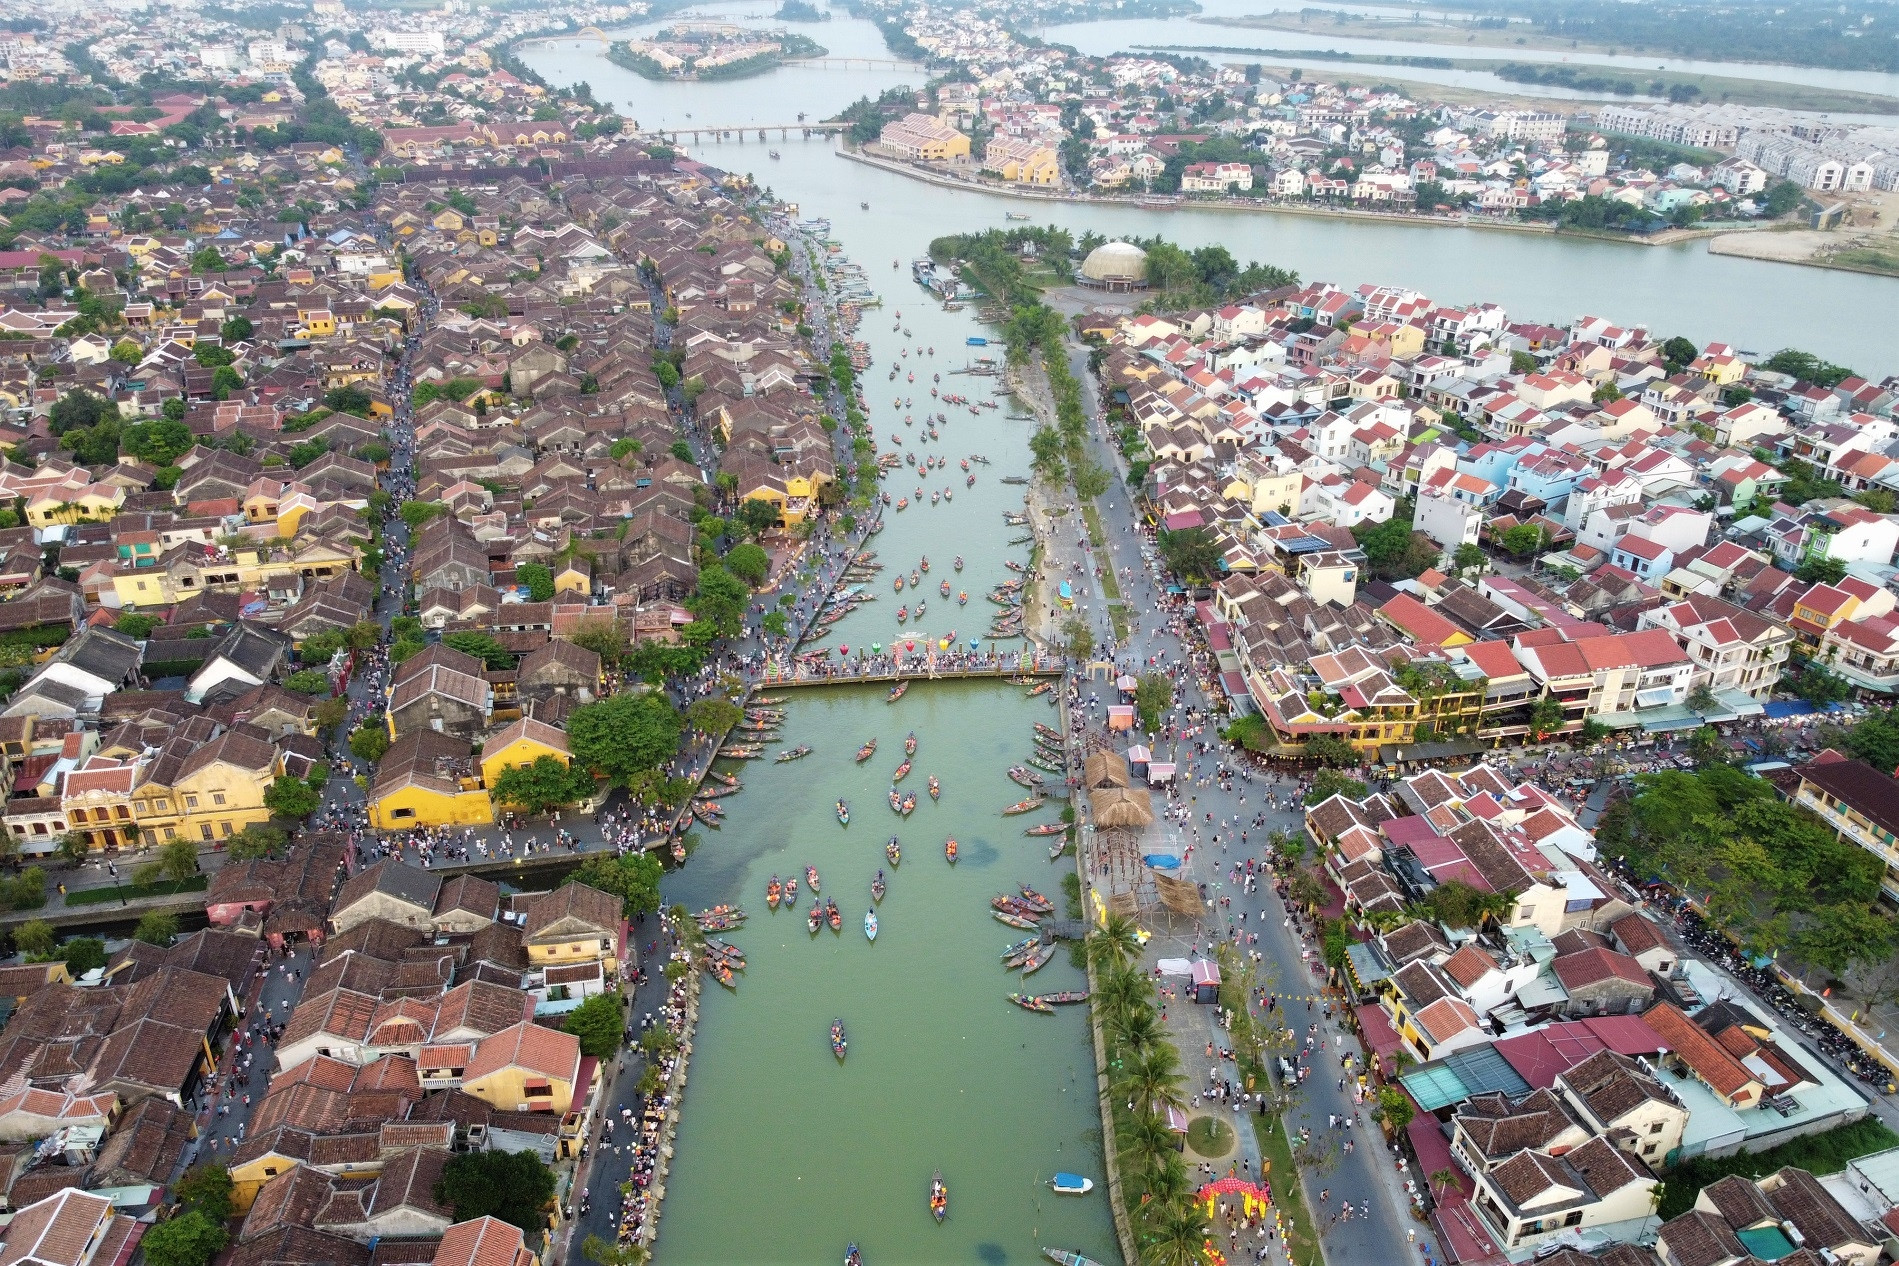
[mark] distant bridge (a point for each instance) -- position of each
(784, 131)
(592, 33)
(855, 63)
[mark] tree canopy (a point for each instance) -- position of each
(633, 878)
(512, 1186)
(624, 735)
(548, 783)
(599, 1024)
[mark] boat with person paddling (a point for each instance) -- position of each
(949, 849)
(833, 915)
(839, 1044)
(939, 1196)
(894, 851)
(867, 751)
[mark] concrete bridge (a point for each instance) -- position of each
(735, 132)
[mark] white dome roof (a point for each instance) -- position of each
(1116, 261)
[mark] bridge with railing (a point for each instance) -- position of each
(727, 132)
(1020, 668)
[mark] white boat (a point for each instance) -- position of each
(1071, 1185)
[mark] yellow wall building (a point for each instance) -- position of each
(428, 779)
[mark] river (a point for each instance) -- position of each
(1680, 289)
(784, 1155)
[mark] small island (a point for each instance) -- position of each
(708, 50)
(800, 11)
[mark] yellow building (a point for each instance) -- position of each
(428, 779)
(93, 503)
(576, 577)
(520, 745)
(1022, 161)
(573, 924)
(220, 790)
(926, 137)
(525, 1068)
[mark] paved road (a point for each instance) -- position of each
(1366, 1177)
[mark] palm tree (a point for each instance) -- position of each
(1442, 1179)
(1134, 1031)
(1152, 1077)
(1145, 1140)
(1117, 943)
(1166, 1180)
(1178, 1238)
(1120, 989)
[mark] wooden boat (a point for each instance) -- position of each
(898, 583)
(1018, 774)
(896, 801)
(936, 788)
(925, 564)
(852, 1257)
(720, 972)
(1037, 900)
(949, 849)
(1040, 960)
(791, 892)
(719, 918)
(910, 744)
(958, 563)
(1055, 854)
(916, 579)
(944, 589)
(865, 752)
(1029, 1002)
(1071, 1185)
(962, 597)
(839, 1044)
(1068, 1257)
(1020, 950)
(679, 852)
(877, 887)
(1023, 806)
(896, 691)
(894, 851)
(771, 701)
(1047, 766)
(725, 779)
(843, 819)
(773, 892)
(1066, 996)
(832, 915)
(708, 813)
(939, 1197)
(1014, 920)
(903, 614)
(797, 753)
(1041, 689)
(713, 793)
(909, 805)
(1016, 906)
(1050, 732)
(870, 925)
(743, 751)
(811, 878)
(815, 919)
(1048, 828)
(902, 772)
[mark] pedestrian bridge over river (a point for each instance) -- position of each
(1020, 667)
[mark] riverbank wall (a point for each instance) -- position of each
(676, 1092)
(1667, 237)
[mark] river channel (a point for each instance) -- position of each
(785, 1154)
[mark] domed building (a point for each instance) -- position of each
(1115, 266)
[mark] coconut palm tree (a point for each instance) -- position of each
(1177, 1238)
(1117, 943)
(1166, 1181)
(1153, 1078)
(1133, 1031)
(1119, 989)
(1145, 1140)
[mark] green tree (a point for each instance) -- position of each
(35, 938)
(83, 954)
(178, 860)
(1192, 553)
(156, 927)
(720, 600)
(749, 563)
(1821, 571)
(135, 626)
(190, 1239)
(549, 783)
(1546, 717)
(634, 879)
(1333, 751)
(512, 1186)
(604, 637)
(416, 513)
(599, 1024)
(755, 517)
(713, 714)
(1524, 538)
(308, 681)
(538, 579)
(1153, 695)
(1394, 1109)
(369, 741)
(290, 797)
(1327, 783)
(482, 646)
(1470, 558)
(206, 1188)
(127, 352)
(259, 840)
(1078, 636)
(624, 735)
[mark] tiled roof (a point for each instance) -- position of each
(528, 1046)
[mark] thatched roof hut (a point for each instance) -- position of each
(1105, 769)
(1121, 807)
